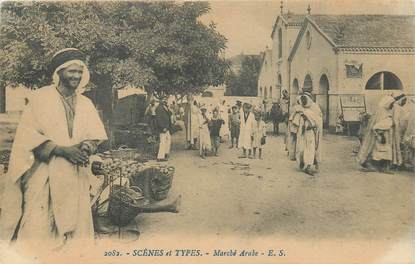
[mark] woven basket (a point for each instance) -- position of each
(160, 183)
(124, 204)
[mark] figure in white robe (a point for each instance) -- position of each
(409, 137)
(191, 122)
(259, 133)
(292, 129)
(376, 152)
(399, 116)
(308, 145)
(245, 131)
(48, 197)
(224, 115)
(204, 136)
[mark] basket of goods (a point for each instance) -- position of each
(124, 203)
(160, 183)
(155, 181)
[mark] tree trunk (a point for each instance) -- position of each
(105, 101)
(2, 97)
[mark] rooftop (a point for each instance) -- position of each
(367, 30)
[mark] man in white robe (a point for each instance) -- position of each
(224, 115)
(47, 185)
(310, 130)
(191, 122)
(245, 131)
(376, 151)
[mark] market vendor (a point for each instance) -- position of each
(47, 188)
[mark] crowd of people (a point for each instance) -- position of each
(242, 123)
(386, 142)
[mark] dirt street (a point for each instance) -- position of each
(230, 197)
(341, 215)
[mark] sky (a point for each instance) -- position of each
(248, 24)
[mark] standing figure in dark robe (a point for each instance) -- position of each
(276, 117)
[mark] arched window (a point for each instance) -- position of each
(280, 43)
(270, 92)
(384, 81)
(308, 84)
(279, 81)
(260, 92)
(265, 92)
(295, 87)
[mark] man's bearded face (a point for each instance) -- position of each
(71, 76)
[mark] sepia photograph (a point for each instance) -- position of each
(207, 132)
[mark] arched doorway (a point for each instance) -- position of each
(323, 99)
(308, 84)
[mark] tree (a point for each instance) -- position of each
(160, 46)
(244, 82)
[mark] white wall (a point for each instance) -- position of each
(319, 59)
(266, 78)
(289, 35)
(15, 98)
(402, 65)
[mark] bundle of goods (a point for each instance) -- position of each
(130, 187)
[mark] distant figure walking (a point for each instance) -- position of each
(258, 133)
(234, 125)
(164, 126)
(308, 150)
(276, 117)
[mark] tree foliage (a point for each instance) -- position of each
(160, 46)
(244, 82)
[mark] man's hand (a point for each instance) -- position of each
(72, 153)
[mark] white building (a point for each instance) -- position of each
(338, 55)
(275, 68)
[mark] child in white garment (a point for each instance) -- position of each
(258, 133)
